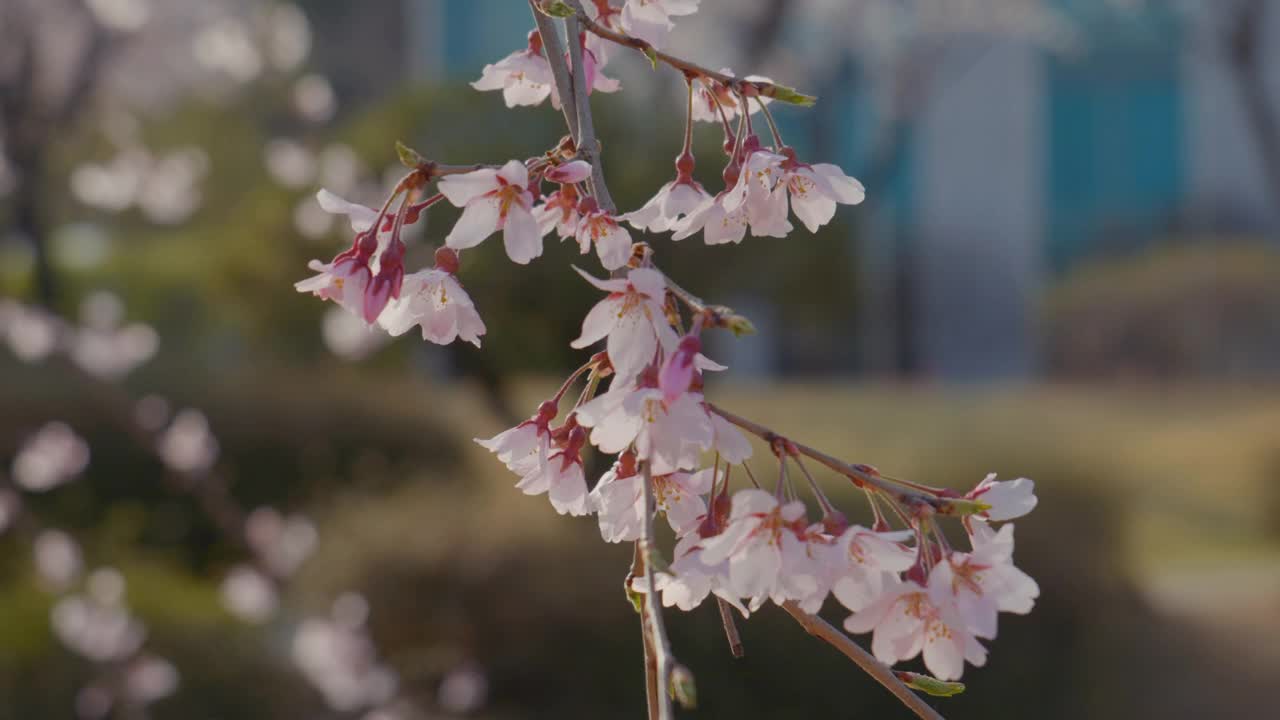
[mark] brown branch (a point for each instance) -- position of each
(861, 475)
(588, 145)
(825, 631)
(688, 67)
(554, 53)
(658, 647)
(730, 628)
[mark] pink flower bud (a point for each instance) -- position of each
(447, 260)
(571, 172)
(677, 373)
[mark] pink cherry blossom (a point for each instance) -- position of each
(523, 447)
(633, 318)
(690, 579)
(679, 369)
(559, 474)
(906, 621)
(758, 191)
(361, 217)
(345, 278)
(728, 441)
(494, 200)
(759, 543)
(435, 300)
(650, 20)
(574, 171)
(672, 437)
(524, 76)
(864, 561)
(619, 500)
(815, 189)
(982, 583)
(559, 212)
(672, 202)
(718, 225)
(596, 80)
(1008, 499)
(612, 241)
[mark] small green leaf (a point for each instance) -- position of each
(782, 93)
(556, 9)
(739, 326)
(652, 54)
(637, 599)
(683, 689)
(409, 157)
(960, 507)
(930, 685)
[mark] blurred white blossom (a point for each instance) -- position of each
(248, 595)
(225, 46)
(283, 543)
(463, 690)
(348, 337)
(339, 659)
(290, 40)
(31, 333)
(314, 99)
(171, 192)
(188, 445)
(339, 168)
(122, 15)
(95, 630)
(58, 559)
(52, 456)
(289, 162)
(311, 220)
(150, 678)
(113, 354)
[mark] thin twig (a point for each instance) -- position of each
(688, 67)
(824, 630)
(587, 143)
(860, 476)
(730, 627)
(659, 645)
(559, 71)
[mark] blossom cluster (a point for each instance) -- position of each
(672, 452)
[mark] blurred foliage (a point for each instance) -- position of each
(461, 570)
(1194, 310)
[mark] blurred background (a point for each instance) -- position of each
(223, 499)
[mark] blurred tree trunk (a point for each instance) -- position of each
(1246, 48)
(29, 224)
(32, 124)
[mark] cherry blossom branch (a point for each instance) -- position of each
(720, 316)
(559, 71)
(825, 631)
(688, 67)
(588, 145)
(861, 475)
(658, 644)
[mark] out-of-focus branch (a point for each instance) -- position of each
(1245, 51)
(825, 631)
